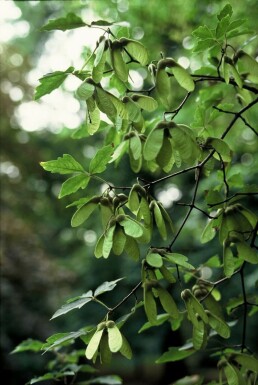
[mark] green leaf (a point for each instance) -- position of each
(104, 103)
(153, 144)
(132, 227)
(179, 259)
(183, 78)
(247, 253)
(135, 146)
(93, 344)
(132, 248)
(125, 349)
(118, 64)
(161, 318)
(199, 335)
(175, 354)
(74, 304)
(85, 91)
(161, 225)
(145, 102)
(222, 148)
(203, 45)
(106, 286)
(98, 252)
(100, 160)
(167, 302)
(119, 240)
(108, 241)
(105, 380)
(52, 376)
(70, 21)
(115, 339)
(231, 375)
(28, 345)
(150, 305)
(63, 165)
(222, 27)
(163, 87)
(228, 260)
(103, 23)
(247, 361)
(73, 184)
(167, 274)
(154, 259)
(209, 231)
(93, 120)
(193, 302)
(133, 200)
(137, 51)
(226, 11)
(203, 32)
(83, 213)
(51, 81)
(248, 65)
(219, 325)
(99, 63)
(104, 351)
(61, 339)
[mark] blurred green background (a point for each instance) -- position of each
(43, 260)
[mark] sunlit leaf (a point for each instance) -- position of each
(63, 165)
(73, 184)
(132, 227)
(179, 259)
(76, 304)
(118, 63)
(115, 339)
(154, 259)
(94, 344)
(61, 339)
(51, 81)
(101, 159)
(108, 241)
(70, 21)
(183, 78)
(145, 102)
(137, 50)
(153, 144)
(85, 91)
(106, 286)
(175, 354)
(83, 213)
(28, 345)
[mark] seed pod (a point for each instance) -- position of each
(101, 326)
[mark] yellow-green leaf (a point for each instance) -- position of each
(108, 241)
(83, 213)
(150, 305)
(93, 344)
(154, 259)
(115, 339)
(126, 350)
(153, 144)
